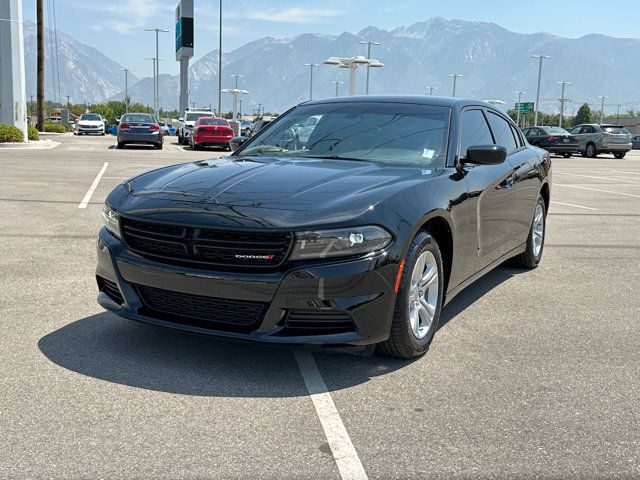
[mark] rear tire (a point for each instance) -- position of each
(158, 146)
(619, 155)
(591, 151)
(567, 155)
(420, 292)
(531, 257)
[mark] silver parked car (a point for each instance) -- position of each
(595, 139)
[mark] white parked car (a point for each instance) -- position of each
(90, 123)
(187, 121)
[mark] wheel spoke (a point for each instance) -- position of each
(430, 309)
(429, 276)
(418, 269)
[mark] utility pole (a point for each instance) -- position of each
(157, 80)
(618, 115)
(519, 93)
(537, 104)
(455, 78)
(311, 67)
(602, 98)
(68, 102)
(562, 100)
(431, 89)
(40, 64)
(368, 43)
(337, 84)
(31, 107)
(240, 109)
(126, 89)
(155, 90)
(259, 107)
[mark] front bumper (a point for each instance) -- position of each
(80, 129)
(362, 289)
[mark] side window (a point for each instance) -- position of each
(526, 132)
(588, 129)
(575, 130)
(502, 132)
(517, 135)
(474, 130)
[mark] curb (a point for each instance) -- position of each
(31, 145)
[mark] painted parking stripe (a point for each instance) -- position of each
(92, 188)
(597, 190)
(572, 205)
(616, 180)
(344, 453)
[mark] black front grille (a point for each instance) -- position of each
(207, 312)
(110, 289)
(202, 247)
(318, 322)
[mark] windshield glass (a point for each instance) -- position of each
(192, 117)
(557, 131)
(616, 130)
(91, 117)
(138, 118)
(387, 132)
(214, 121)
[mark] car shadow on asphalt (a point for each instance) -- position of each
(126, 352)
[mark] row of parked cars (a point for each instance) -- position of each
(588, 139)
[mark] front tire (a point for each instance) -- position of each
(591, 151)
(531, 257)
(419, 300)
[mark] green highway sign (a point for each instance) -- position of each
(524, 107)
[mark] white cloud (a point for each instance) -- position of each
(294, 15)
(124, 17)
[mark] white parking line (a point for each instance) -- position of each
(92, 188)
(344, 453)
(572, 205)
(597, 190)
(617, 180)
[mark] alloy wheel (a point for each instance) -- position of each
(537, 232)
(423, 294)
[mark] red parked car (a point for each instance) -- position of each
(211, 132)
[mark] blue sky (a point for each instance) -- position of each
(116, 27)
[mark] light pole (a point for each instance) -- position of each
(155, 91)
(431, 89)
(352, 64)
(337, 83)
(368, 43)
(455, 78)
(157, 79)
(618, 115)
(602, 98)
(220, 62)
(311, 67)
(536, 106)
(234, 92)
(519, 93)
(126, 89)
(562, 100)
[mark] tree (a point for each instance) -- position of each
(583, 116)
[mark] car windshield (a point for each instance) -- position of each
(616, 130)
(214, 121)
(192, 117)
(138, 118)
(91, 117)
(557, 131)
(397, 133)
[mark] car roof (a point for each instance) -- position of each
(415, 99)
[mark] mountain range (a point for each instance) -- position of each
(494, 62)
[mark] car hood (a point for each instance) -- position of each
(291, 191)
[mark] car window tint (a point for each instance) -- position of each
(474, 130)
(502, 132)
(138, 118)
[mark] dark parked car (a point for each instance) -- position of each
(358, 235)
(211, 132)
(258, 125)
(141, 129)
(553, 139)
(635, 142)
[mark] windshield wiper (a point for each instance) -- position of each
(335, 157)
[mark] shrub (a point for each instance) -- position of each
(33, 133)
(54, 127)
(9, 133)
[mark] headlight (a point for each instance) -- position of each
(111, 220)
(340, 242)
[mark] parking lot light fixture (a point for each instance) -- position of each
(602, 99)
(235, 92)
(455, 77)
(562, 101)
(157, 81)
(352, 64)
(537, 104)
(368, 43)
(431, 89)
(311, 67)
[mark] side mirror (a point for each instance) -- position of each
(181, 119)
(236, 142)
(486, 154)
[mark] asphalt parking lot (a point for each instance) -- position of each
(532, 374)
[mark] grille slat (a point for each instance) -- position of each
(318, 322)
(111, 289)
(215, 312)
(201, 247)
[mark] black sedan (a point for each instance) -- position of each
(553, 139)
(358, 235)
(139, 129)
